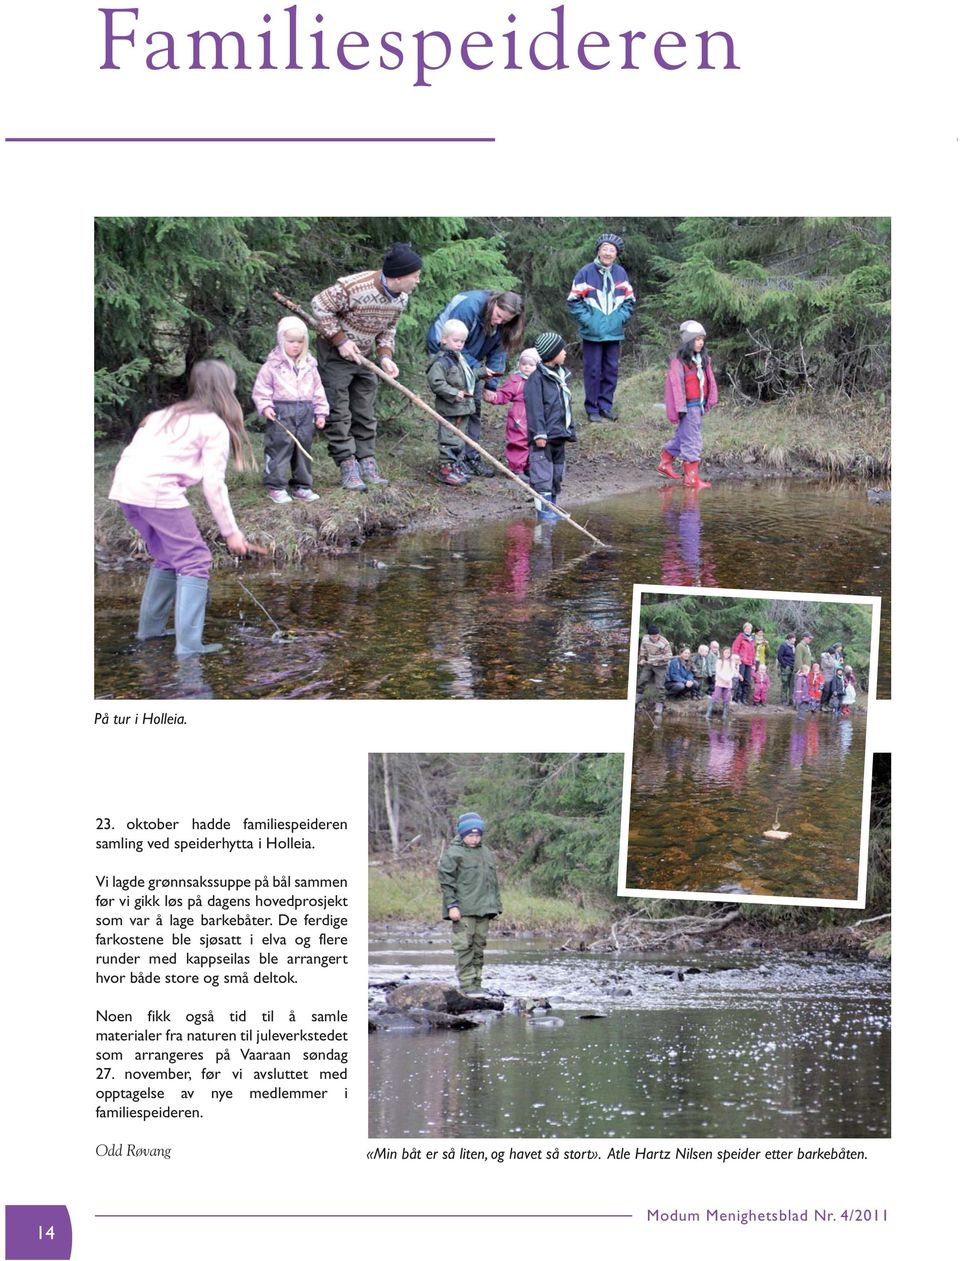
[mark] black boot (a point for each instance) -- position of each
(477, 467)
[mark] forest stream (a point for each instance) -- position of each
(704, 793)
(502, 608)
(746, 1044)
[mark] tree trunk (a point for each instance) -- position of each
(391, 807)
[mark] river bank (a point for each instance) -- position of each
(796, 438)
(403, 906)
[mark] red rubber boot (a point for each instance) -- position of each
(665, 467)
(692, 478)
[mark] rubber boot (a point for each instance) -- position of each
(691, 476)
(544, 512)
(665, 467)
(156, 603)
(190, 614)
(709, 708)
(726, 710)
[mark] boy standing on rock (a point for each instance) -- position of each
(471, 898)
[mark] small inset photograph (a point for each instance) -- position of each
(749, 776)
(513, 994)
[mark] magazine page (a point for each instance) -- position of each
(452, 789)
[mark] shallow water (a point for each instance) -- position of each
(504, 608)
(703, 794)
(771, 1046)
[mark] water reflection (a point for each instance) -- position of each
(778, 1048)
(502, 609)
(703, 795)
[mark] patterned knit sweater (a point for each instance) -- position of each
(358, 308)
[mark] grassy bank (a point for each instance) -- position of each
(812, 435)
(412, 896)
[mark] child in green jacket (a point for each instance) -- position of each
(471, 897)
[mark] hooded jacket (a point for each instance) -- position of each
(281, 381)
(447, 378)
(468, 880)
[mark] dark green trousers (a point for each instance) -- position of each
(351, 428)
(469, 940)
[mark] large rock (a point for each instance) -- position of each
(432, 996)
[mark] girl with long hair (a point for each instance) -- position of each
(184, 444)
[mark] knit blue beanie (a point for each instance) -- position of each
(467, 822)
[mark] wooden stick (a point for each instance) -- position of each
(294, 437)
(446, 424)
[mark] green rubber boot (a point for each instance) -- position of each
(189, 616)
(156, 603)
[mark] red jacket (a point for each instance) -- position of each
(674, 392)
(745, 649)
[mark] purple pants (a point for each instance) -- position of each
(601, 364)
(687, 442)
(172, 539)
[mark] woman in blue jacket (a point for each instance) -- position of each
(601, 300)
(495, 325)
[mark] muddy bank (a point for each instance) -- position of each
(608, 460)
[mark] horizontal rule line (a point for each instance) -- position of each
(373, 1216)
(250, 139)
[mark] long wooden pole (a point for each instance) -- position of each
(446, 424)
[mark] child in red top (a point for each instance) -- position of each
(518, 446)
(815, 683)
(690, 391)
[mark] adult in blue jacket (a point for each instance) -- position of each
(681, 682)
(601, 300)
(495, 323)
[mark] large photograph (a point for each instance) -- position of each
(419, 458)
(512, 994)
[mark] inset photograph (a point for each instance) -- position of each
(513, 994)
(749, 774)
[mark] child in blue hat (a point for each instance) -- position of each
(471, 898)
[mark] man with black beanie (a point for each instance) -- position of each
(357, 315)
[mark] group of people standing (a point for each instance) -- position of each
(739, 674)
(469, 345)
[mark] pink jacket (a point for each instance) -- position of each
(279, 382)
(512, 392)
(161, 462)
(675, 399)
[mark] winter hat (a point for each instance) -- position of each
(610, 238)
(653, 629)
(690, 330)
(293, 324)
(549, 345)
(468, 822)
(401, 260)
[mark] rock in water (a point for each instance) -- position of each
(432, 996)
